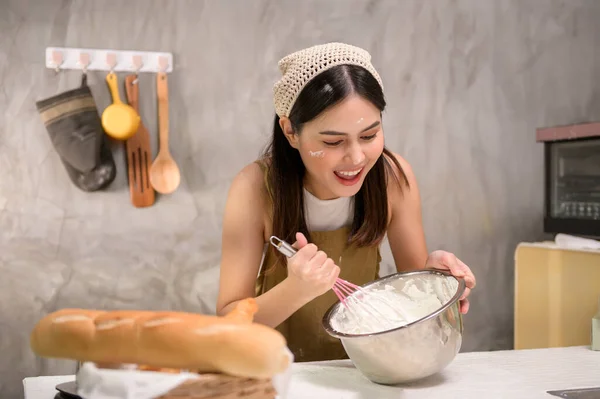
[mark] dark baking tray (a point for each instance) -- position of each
(67, 390)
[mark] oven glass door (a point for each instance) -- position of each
(575, 180)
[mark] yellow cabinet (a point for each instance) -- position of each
(556, 295)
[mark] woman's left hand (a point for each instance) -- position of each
(447, 261)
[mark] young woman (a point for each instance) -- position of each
(327, 184)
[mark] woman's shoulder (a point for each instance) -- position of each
(252, 182)
(251, 178)
(246, 206)
(247, 199)
(400, 173)
(402, 186)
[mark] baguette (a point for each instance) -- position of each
(232, 344)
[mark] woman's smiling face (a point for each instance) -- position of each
(339, 147)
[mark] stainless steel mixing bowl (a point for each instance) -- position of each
(416, 350)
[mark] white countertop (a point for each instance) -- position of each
(526, 374)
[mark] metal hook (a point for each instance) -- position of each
(137, 63)
(84, 62)
(57, 60)
(111, 61)
(163, 63)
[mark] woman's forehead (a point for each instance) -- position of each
(350, 116)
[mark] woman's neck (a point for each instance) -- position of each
(318, 191)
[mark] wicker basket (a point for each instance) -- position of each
(221, 386)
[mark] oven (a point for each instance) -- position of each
(572, 179)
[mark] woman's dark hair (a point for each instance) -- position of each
(285, 169)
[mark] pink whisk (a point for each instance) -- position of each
(342, 287)
(349, 294)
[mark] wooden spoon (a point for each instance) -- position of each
(164, 173)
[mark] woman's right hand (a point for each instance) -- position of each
(310, 269)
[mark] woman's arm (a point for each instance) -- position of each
(407, 240)
(241, 253)
(405, 230)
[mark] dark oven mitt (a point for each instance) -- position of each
(73, 124)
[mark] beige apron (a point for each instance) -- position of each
(303, 330)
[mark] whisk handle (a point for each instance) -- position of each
(289, 251)
(282, 246)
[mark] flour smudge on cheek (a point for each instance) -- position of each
(317, 154)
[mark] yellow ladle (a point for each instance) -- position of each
(119, 120)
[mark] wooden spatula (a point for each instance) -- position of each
(139, 153)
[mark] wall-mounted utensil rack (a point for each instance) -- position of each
(108, 60)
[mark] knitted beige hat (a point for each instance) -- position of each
(300, 67)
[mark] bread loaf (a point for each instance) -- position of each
(231, 344)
